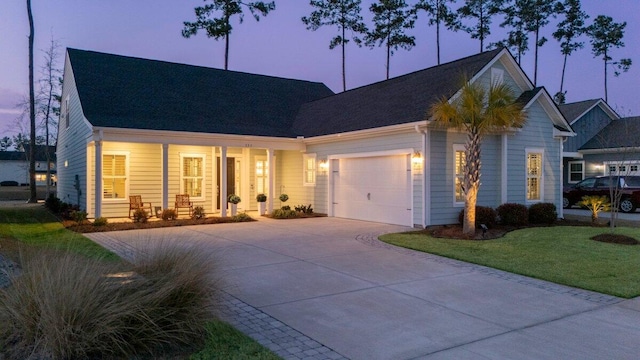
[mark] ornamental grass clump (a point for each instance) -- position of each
(66, 306)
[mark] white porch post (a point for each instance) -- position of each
(223, 181)
(271, 180)
(504, 159)
(165, 176)
(98, 178)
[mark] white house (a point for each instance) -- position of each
(14, 165)
(132, 126)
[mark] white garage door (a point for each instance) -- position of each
(374, 189)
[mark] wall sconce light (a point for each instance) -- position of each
(416, 158)
(323, 165)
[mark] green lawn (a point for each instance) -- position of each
(562, 254)
(37, 228)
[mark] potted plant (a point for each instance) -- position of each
(283, 199)
(262, 202)
(234, 200)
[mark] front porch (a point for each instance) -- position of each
(160, 171)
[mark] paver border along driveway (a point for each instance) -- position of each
(326, 288)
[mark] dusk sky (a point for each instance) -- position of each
(279, 45)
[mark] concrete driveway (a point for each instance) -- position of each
(325, 288)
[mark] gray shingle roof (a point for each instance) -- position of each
(125, 92)
(403, 99)
(620, 133)
(573, 110)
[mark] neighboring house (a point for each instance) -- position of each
(14, 165)
(604, 143)
(158, 129)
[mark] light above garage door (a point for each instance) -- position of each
(375, 188)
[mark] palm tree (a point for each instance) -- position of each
(477, 112)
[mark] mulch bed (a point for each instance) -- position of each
(89, 227)
(300, 216)
(455, 232)
(615, 239)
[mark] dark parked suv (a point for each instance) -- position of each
(629, 186)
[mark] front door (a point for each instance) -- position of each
(231, 179)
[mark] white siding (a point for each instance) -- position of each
(72, 145)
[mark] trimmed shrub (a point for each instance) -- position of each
(286, 207)
(242, 217)
(284, 197)
(53, 204)
(484, 215)
(543, 213)
(261, 198)
(140, 216)
(305, 209)
(101, 221)
(198, 213)
(169, 214)
(79, 216)
(284, 214)
(513, 214)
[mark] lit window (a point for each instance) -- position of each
(114, 176)
(576, 171)
(262, 176)
(534, 176)
(309, 169)
(192, 175)
(459, 164)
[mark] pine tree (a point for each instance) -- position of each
(439, 13)
(482, 11)
(220, 27)
(605, 35)
(391, 19)
(567, 33)
(344, 14)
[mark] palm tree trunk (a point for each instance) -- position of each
(471, 181)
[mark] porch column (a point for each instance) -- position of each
(165, 176)
(98, 179)
(271, 180)
(223, 181)
(504, 159)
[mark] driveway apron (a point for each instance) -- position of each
(326, 288)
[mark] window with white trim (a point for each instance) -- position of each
(192, 175)
(459, 162)
(115, 171)
(534, 175)
(576, 171)
(308, 169)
